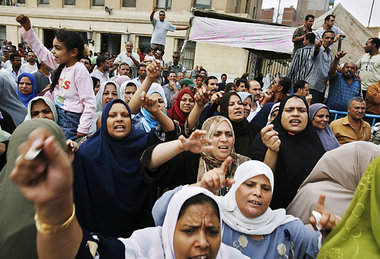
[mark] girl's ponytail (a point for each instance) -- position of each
(56, 75)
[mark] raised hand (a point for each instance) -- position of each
(270, 138)
(202, 96)
(340, 54)
(24, 21)
(216, 97)
(47, 178)
(153, 70)
(328, 220)
(149, 103)
(196, 143)
(215, 179)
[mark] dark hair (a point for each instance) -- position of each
(356, 98)
(286, 83)
(131, 84)
(87, 58)
(13, 55)
(242, 80)
(198, 76)
(309, 16)
(72, 40)
(162, 11)
(327, 18)
(223, 75)
(100, 60)
(310, 37)
(172, 72)
(176, 52)
(199, 199)
(299, 84)
(208, 79)
(141, 65)
(202, 69)
(328, 31)
(375, 41)
(94, 82)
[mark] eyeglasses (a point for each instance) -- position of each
(176, 57)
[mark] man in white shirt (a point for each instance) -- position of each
(329, 25)
(15, 69)
(31, 65)
(254, 88)
(101, 72)
(129, 57)
(160, 29)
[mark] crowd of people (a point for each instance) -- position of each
(128, 156)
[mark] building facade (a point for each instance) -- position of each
(112, 22)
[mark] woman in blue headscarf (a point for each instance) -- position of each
(156, 92)
(26, 88)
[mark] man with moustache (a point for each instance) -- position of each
(254, 88)
(300, 33)
(343, 85)
(320, 61)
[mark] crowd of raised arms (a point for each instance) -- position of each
(128, 156)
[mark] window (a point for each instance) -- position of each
(69, 2)
(44, 1)
(202, 4)
(3, 34)
(97, 2)
(21, 1)
(5, 2)
(188, 54)
(144, 44)
(164, 4)
(129, 3)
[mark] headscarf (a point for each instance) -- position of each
(155, 88)
(357, 235)
(262, 225)
(17, 216)
(337, 174)
(244, 131)
(26, 98)
(326, 135)
(208, 161)
(175, 113)
(109, 191)
(122, 88)
(47, 101)
(261, 118)
(297, 156)
(122, 79)
(99, 102)
(10, 102)
(245, 95)
(274, 108)
(158, 242)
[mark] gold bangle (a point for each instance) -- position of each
(51, 229)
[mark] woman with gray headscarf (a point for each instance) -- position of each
(319, 116)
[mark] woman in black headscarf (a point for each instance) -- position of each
(232, 108)
(291, 147)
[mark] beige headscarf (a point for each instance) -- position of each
(208, 161)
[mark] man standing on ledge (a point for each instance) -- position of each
(160, 29)
(300, 33)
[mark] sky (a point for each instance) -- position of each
(360, 9)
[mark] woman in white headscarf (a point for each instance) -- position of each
(192, 228)
(250, 225)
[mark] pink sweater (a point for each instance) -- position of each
(74, 85)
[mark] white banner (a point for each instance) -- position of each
(242, 34)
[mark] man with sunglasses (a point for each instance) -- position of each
(329, 25)
(160, 29)
(175, 65)
(320, 61)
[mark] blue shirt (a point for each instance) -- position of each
(340, 92)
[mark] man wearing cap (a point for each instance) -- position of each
(185, 84)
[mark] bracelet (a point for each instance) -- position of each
(51, 229)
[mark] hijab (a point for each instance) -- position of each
(274, 108)
(121, 79)
(47, 101)
(158, 242)
(155, 88)
(262, 225)
(357, 235)
(208, 161)
(25, 98)
(99, 102)
(122, 88)
(244, 131)
(326, 135)
(245, 95)
(175, 113)
(17, 214)
(297, 156)
(109, 191)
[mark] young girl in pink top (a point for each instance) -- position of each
(71, 87)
